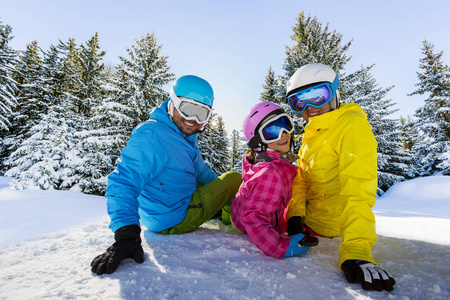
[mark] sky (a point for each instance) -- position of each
(48, 239)
(232, 44)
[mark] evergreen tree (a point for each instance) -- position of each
(46, 159)
(237, 149)
(92, 76)
(112, 125)
(67, 110)
(32, 101)
(220, 146)
(314, 44)
(61, 76)
(213, 143)
(204, 142)
(8, 86)
(68, 70)
(433, 118)
(51, 74)
(50, 156)
(409, 134)
(140, 79)
(103, 143)
(271, 90)
(97, 142)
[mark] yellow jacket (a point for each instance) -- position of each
(336, 181)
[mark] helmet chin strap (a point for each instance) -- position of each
(202, 128)
(261, 147)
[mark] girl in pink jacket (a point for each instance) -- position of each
(267, 173)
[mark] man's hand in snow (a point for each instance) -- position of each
(127, 245)
(369, 275)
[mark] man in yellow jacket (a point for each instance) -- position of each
(335, 186)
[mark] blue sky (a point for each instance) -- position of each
(232, 44)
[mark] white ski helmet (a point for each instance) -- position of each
(310, 75)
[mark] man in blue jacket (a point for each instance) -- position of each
(161, 179)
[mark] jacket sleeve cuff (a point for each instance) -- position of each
(128, 232)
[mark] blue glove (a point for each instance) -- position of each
(294, 246)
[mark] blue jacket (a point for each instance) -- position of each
(156, 176)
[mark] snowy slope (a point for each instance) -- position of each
(48, 239)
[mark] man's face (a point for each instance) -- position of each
(311, 111)
(187, 127)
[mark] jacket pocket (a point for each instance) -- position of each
(195, 206)
(276, 218)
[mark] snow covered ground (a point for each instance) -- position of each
(48, 239)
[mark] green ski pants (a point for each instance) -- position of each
(207, 201)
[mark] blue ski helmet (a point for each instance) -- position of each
(195, 88)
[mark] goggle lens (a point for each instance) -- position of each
(274, 129)
(316, 96)
(191, 111)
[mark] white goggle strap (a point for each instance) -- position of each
(170, 110)
(176, 101)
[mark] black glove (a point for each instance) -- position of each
(368, 274)
(127, 245)
(295, 225)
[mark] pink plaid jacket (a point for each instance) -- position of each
(260, 204)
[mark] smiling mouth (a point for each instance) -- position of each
(190, 124)
(281, 143)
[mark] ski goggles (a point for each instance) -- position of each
(272, 130)
(191, 109)
(316, 96)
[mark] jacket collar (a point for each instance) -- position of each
(269, 155)
(328, 119)
(248, 169)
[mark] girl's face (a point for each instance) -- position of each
(283, 145)
(311, 111)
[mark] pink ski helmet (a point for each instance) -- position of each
(255, 118)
